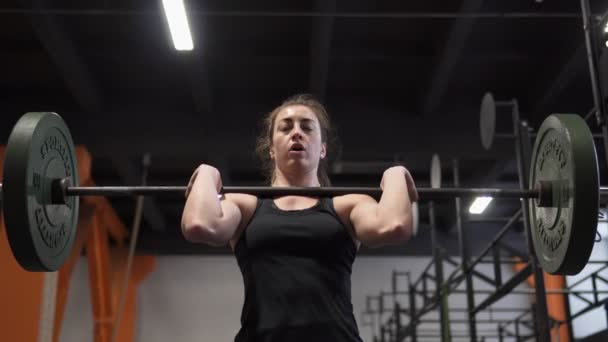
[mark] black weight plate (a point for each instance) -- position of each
(563, 233)
(39, 149)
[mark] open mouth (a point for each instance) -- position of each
(296, 148)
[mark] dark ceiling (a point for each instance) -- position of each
(401, 79)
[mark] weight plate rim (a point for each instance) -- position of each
(584, 161)
(435, 172)
(487, 120)
(588, 201)
(15, 186)
(13, 178)
(415, 218)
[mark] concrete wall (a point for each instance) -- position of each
(199, 298)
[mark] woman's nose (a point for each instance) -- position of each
(296, 133)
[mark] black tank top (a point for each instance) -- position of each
(296, 267)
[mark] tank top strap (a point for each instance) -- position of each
(326, 203)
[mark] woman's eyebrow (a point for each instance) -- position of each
(306, 120)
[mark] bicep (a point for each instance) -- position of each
(231, 216)
(365, 221)
(373, 225)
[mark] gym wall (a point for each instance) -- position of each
(199, 298)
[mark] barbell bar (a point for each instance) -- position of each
(265, 191)
(40, 192)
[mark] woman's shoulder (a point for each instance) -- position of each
(346, 203)
(247, 205)
(243, 201)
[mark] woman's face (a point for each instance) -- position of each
(296, 139)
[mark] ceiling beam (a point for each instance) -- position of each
(60, 48)
(320, 48)
(452, 49)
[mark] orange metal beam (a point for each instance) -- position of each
(65, 273)
(21, 297)
(556, 302)
(2, 150)
(108, 217)
(20, 293)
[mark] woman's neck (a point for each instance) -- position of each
(304, 179)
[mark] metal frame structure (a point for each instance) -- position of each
(590, 26)
(536, 318)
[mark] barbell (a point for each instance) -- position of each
(40, 192)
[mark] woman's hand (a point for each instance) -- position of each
(400, 171)
(205, 170)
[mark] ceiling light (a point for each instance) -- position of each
(479, 205)
(178, 24)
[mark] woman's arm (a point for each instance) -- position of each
(206, 218)
(388, 221)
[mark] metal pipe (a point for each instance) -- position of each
(580, 281)
(397, 315)
(464, 336)
(523, 149)
(413, 315)
(425, 193)
(589, 308)
(465, 255)
(511, 136)
(438, 262)
(595, 291)
(518, 292)
(519, 317)
(462, 321)
(498, 236)
(475, 273)
(266, 191)
(503, 309)
(514, 251)
(421, 278)
(497, 269)
(500, 333)
(304, 14)
(507, 288)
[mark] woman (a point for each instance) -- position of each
(296, 253)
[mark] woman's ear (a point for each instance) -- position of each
(323, 150)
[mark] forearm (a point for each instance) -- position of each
(202, 206)
(394, 207)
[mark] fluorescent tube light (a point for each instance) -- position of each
(479, 205)
(178, 24)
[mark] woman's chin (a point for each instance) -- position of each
(300, 165)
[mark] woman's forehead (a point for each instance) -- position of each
(296, 112)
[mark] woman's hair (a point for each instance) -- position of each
(264, 140)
